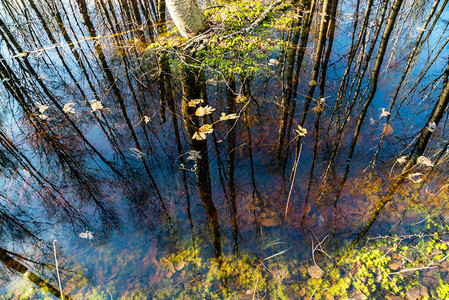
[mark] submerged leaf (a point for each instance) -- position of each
(240, 99)
(388, 130)
(315, 272)
(180, 265)
(169, 264)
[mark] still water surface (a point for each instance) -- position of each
(100, 164)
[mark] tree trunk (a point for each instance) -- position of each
(187, 16)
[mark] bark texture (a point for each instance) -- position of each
(187, 16)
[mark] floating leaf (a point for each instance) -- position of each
(384, 113)
(206, 128)
(195, 102)
(273, 62)
(301, 131)
(199, 136)
(225, 117)
(422, 160)
(96, 105)
(202, 111)
(86, 235)
(240, 99)
(401, 159)
(194, 155)
(413, 177)
(68, 108)
(432, 126)
(41, 107)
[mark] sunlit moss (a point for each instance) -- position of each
(386, 266)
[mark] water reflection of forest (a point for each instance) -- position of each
(194, 164)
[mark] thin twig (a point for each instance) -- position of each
(57, 270)
(279, 253)
(412, 270)
(291, 185)
(255, 289)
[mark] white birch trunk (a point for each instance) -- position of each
(187, 16)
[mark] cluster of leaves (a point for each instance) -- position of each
(233, 277)
(386, 266)
(389, 266)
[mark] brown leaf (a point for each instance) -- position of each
(180, 265)
(113, 273)
(269, 222)
(394, 265)
(388, 130)
(155, 262)
(315, 272)
(169, 264)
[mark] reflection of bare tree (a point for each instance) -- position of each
(318, 109)
(358, 79)
(295, 54)
(324, 26)
(231, 133)
(419, 44)
(391, 20)
(418, 150)
(191, 90)
(110, 77)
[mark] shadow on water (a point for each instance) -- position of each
(302, 158)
